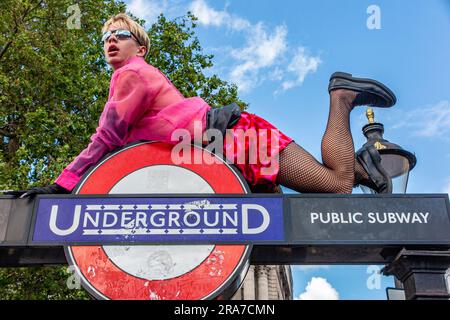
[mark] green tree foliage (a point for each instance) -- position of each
(54, 83)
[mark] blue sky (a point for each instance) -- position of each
(281, 54)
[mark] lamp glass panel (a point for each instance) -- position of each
(399, 183)
(366, 190)
(397, 167)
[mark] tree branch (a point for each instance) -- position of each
(16, 28)
(5, 48)
(6, 133)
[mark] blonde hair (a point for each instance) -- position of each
(126, 22)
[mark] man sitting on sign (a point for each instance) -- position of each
(144, 105)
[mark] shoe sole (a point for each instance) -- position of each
(347, 76)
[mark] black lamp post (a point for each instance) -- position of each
(397, 161)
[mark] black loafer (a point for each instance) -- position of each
(371, 92)
(370, 159)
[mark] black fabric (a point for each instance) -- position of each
(30, 193)
(370, 160)
(223, 118)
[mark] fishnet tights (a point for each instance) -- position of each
(300, 171)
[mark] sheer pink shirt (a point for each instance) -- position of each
(142, 105)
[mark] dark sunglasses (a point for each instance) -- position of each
(121, 34)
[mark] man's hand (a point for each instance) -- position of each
(31, 193)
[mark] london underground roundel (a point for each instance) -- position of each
(159, 272)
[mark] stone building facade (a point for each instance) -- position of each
(266, 283)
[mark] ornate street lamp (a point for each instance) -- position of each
(397, 161)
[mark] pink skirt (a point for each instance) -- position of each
(253, 145)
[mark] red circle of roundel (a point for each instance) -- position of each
(105, 280)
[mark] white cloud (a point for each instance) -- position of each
(319, 289)
(207, 15)
(261, 48)
(430, 121)
(211, 17)
(149, 10)
(276, 74)
(301, 65)
(261, 51)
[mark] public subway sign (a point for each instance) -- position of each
(395, 219)
(164, 220)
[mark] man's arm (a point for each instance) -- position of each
(128, 104)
